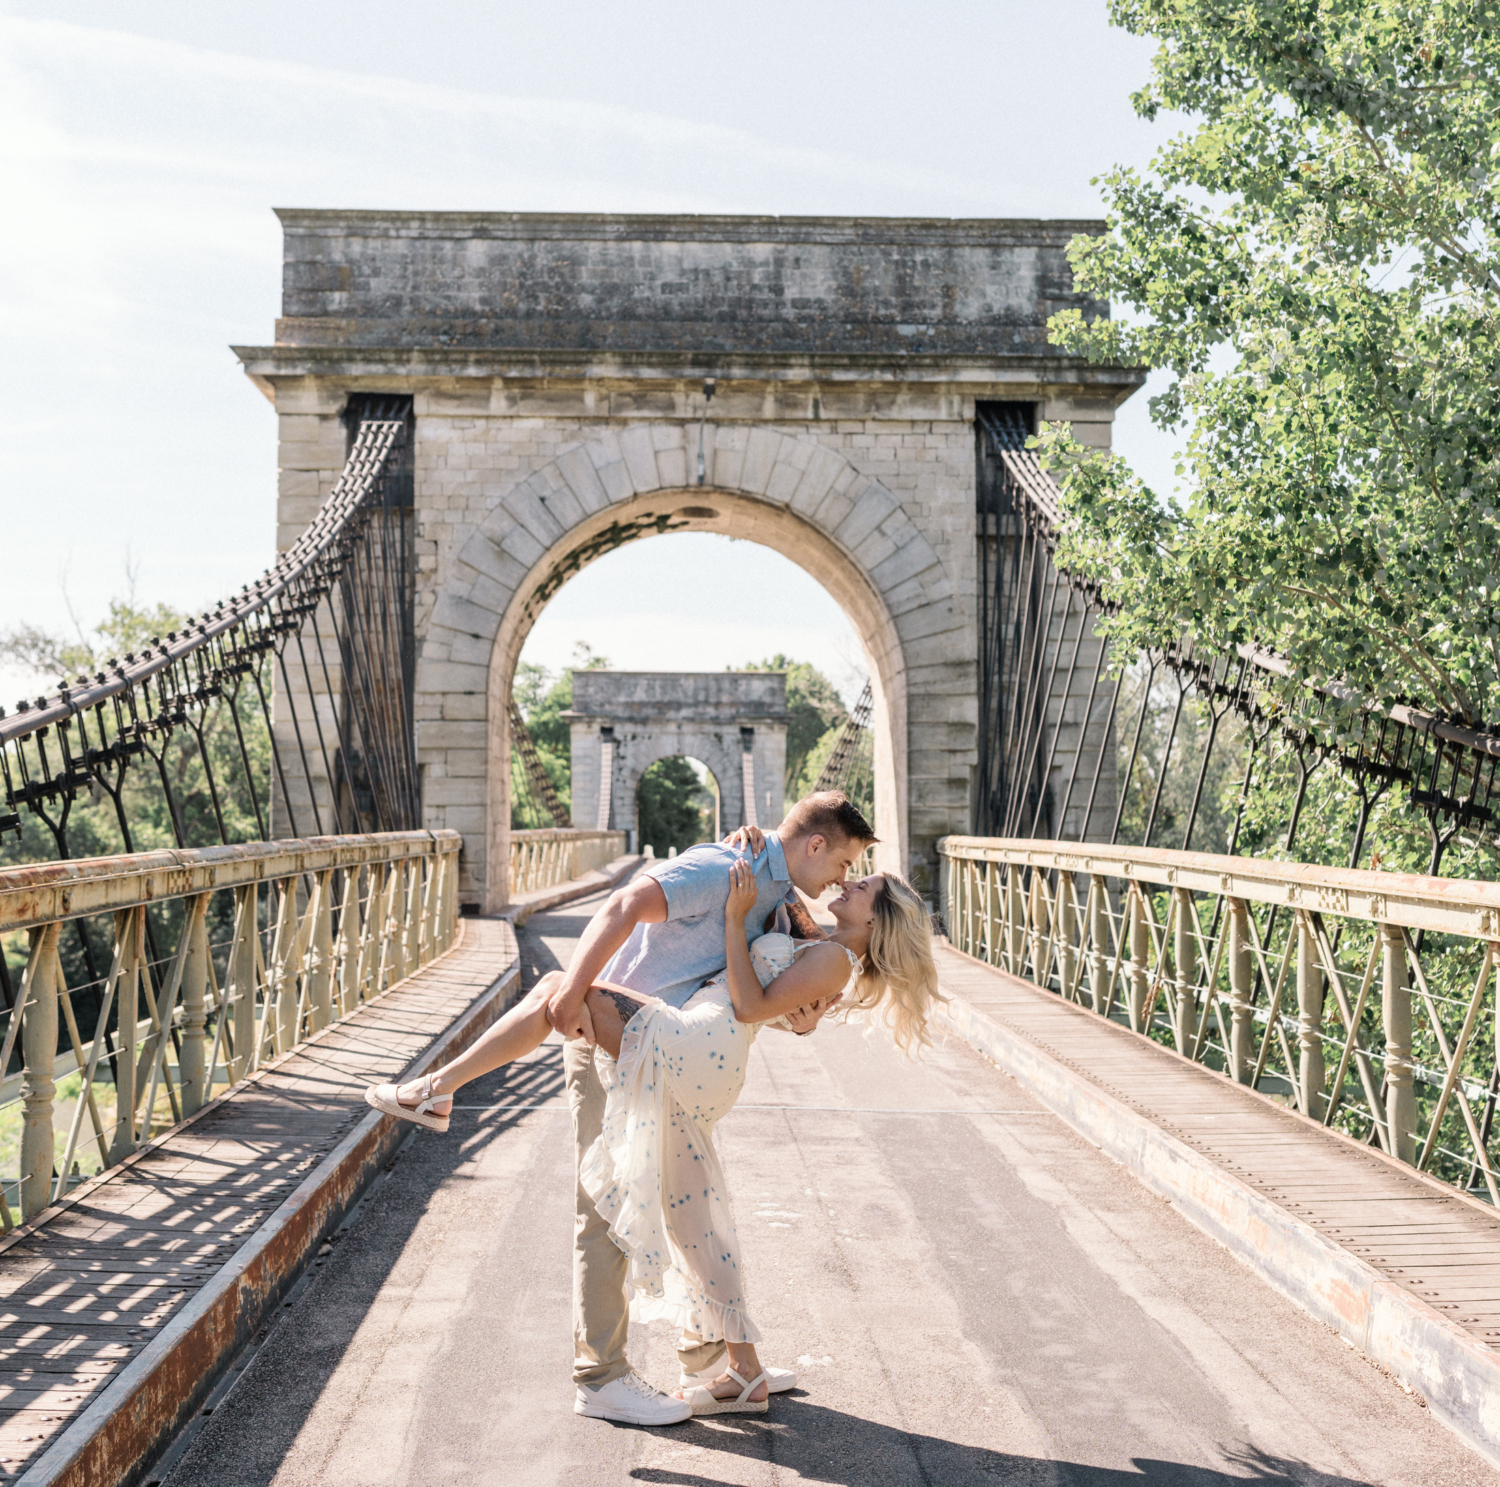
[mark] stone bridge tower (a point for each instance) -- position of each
(624, 721)
(560, 366)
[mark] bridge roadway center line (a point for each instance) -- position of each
(966, 1303)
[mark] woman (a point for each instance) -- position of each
(654, 1173)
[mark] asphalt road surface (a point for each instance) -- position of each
(971, 1292)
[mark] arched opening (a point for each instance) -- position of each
(676, 806)
(873, 643)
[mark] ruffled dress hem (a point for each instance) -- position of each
(708, 1320)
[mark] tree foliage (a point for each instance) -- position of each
(543, 699)
(1315, 261)
(814, 708)
(167, 793)
(674, 808)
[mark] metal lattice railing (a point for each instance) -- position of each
(219, 960)
(1365, 999)
(545, 858)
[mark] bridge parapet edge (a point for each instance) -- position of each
(1439, 905)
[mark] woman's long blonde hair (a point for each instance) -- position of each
(898, 985)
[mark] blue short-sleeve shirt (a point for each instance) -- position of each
(673, 959)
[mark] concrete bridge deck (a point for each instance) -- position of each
(973, 1293)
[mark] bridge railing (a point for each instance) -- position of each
(220, 960)
(546, 857)
(1366, 1000)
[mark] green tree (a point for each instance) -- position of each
(170, 774)
(1315, 262)
(543, 698)
(673, 808)
(813, 708)
(168, 779)
(860, 784)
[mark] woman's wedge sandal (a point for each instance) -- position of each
(384, 1097)
(704, 1402)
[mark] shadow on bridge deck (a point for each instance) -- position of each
(971, 1292)
(119, 1306)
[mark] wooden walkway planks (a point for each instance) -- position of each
(1416, 1231)
(91, 1283)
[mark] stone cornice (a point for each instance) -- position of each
(441, 362)
(999, 232)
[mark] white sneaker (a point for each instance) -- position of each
(778, 1380)
(632, 1401)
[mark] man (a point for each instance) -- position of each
(664, 934)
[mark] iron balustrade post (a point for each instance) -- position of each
(1015, 926)
(450, 898)
(994, 912)
(346, 950)
(131, 927)
(411, 930)
(1034, 919)
(1400, 1093)
(974, 891)
(1311, 990)
(1140, 959)
(1067, 954)
(1098, 943)
(1185, 969)
(431, 894)
(282, 1012)
(320, 962)
(239, 989)
(371, 936)
(1241, 993)
(392, 958)
(39, 1055)
(194, 1081)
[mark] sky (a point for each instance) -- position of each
(143, 144)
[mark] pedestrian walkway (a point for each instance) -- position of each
(1418, 1233)
(973, 1294)
(136, 1287)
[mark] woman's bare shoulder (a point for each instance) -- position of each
(823, 953)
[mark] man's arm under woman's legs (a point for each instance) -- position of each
(522, 1029)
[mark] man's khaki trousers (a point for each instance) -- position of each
(601, 1305)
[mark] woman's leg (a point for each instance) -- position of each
(522, 1029)
(610, 1008)
(744, 1360)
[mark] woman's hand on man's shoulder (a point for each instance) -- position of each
(747, 837)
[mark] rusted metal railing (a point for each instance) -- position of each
(545, 858)
(1365, 999)
(220, 960)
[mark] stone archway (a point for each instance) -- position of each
(790, 493)
(732, 722)
(563, 368)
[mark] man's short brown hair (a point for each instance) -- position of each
(827, 813)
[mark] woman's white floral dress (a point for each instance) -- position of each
(654, 1173)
